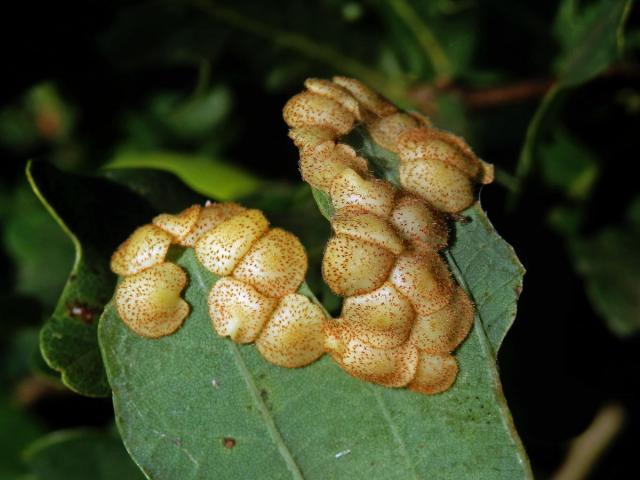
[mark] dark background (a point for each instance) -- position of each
(109, 62)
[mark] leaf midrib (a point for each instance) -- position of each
(265, 413)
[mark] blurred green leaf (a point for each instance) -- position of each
(17, 430)
(80, 455)
(609, 262)
(41, 252)
(566, 220)
(97, 214)
(568, 166)
(22, 357)
(41, 114)
(17, 128)
(633, 212)
(199, 115)
(213, 178)
(590, 38)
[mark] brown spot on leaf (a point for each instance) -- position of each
(228, 442)
(82, 312)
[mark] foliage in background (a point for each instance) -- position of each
(546, 92)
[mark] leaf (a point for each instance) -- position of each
(195, 405)
(97, 213)
(590, 42)
(590, 38)
(209, 177)
(17, 430)
(568, 166)
(78, 455)
(33, 239)
(609, 262)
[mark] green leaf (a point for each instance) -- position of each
(609, 262)
(80, 454)
(17, 430)
(590, 38)
(213, 178)
(195, 405)
(590, 41)
(569, 166)
(199, 115)
(33, 239)
(97, 213)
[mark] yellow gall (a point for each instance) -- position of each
(391, 367)
(369, 99)
(320, 166)
(352, 267)
(442, 185)
(178, 225)
(440, 168)
(149, 302)
(222, 248)
(146, 246)
(293, 336)
(327, 88)
(444, 330)
(275, 265)
(308, 137)
(334, 338)
(430, 144)
(238, 310)
(436, 373)
(385, 131)
(420, 224)
(424, 279)
(356, 223)
(350, 189)
(211, 216)
(382, 318)
(310, 109)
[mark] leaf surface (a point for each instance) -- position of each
(195, 405)
(97, 213)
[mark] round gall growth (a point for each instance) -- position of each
(254, 301)
(320, 166)
(211, 216)
(440, 168)
(275, 265)
(238, 310)
(353, 267)
(149, 302)
(402, 314)
(179, 225)
(293, 337)
(386, 130)
(222, 248)
(307, 109)
(147, 246)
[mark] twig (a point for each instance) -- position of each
(505, 94)
(588, 447)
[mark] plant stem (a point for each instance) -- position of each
(589, 446)
(526, 159)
